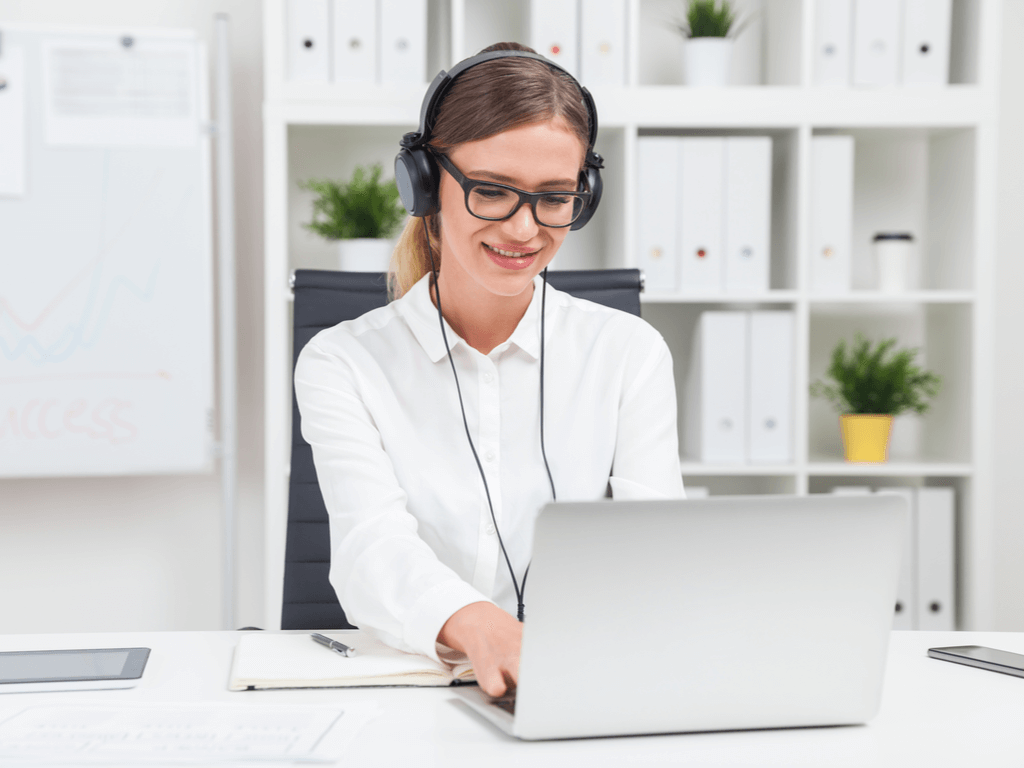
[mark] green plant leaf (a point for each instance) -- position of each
(876, 379)
(706, 18)
(364, 207)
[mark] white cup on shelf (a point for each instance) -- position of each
(892, 260)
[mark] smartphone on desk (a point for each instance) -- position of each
(981, 657)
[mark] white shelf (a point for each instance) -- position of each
(829, 469)
(671, 107)
(696, 468)
(925, 162)
(772, 297)
(889, 469)
(909, 297)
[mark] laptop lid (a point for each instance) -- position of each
(713, 614)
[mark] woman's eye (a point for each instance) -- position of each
(490, 193)
(556, 200)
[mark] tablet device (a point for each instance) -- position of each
(75, 670)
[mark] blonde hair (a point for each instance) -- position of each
(489, 98)
(410, 260)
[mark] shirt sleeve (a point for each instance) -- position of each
(646, 463)
(386, 577)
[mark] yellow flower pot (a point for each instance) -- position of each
(866, 436)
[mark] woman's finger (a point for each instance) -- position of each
(492, 681)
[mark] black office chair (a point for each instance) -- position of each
(324, 299)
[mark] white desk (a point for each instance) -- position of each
(934, 713)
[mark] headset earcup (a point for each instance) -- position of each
(417, 178)
(596, 186)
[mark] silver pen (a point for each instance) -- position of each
(334, 645)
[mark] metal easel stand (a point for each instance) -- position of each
(228, 448)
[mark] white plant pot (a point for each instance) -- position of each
(706, 61)
(364, 254)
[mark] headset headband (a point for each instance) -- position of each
(444, 80)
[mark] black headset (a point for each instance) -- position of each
(416, 171)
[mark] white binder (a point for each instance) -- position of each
(701, 215)
(833, 41)
(354, 42)
(831, 213)
(403, 41)
(770, 374)
(657, 211)
(926, 28)
(716, 413)
(309, 54)
(603, 42)
(905, 615)
(876, 42)
(936, 593)
(748, 196)
(554, 32)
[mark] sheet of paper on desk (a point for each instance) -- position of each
(148, 734)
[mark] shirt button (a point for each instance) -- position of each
(489, 456)
(490, 530)
(488, 378)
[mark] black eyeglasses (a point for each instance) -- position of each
(491, 201)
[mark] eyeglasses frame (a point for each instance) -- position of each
(468, 184)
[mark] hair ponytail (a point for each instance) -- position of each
(410, 260)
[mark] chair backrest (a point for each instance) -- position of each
(324, 299)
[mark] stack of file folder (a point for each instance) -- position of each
(704, 214)
(357, 41)
(738, 407)
(926, 598)
(882, 42)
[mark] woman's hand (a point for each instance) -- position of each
(492, 639)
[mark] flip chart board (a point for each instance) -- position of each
(106, 304)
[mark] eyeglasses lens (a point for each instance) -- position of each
(554, 210)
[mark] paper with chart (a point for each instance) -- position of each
(120, 91)
(148, 734)
(12, 123)
(106, 296)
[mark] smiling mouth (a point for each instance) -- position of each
(509, 254)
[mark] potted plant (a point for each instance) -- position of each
(869, 387)
(361, 215)
(709, 29)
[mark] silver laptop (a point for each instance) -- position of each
(711, 614)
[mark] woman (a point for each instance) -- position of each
(430, 531)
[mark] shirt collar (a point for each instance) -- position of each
(421, 315)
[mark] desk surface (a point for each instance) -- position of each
(933, 713)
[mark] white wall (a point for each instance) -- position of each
(144, 552)
(1009, 345)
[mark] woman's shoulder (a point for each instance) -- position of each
(600, 319)
(357, 333)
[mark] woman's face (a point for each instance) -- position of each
(534, 158)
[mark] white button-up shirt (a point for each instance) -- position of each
(412, 539)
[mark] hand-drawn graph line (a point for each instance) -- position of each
(30, 325)
(74, 336)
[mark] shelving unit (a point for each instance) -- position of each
(925, 160)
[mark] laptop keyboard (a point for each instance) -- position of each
(508, 703)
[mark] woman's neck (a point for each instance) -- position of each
(481, 318)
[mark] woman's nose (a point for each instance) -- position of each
(521, 224)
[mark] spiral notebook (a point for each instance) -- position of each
(266, 660)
